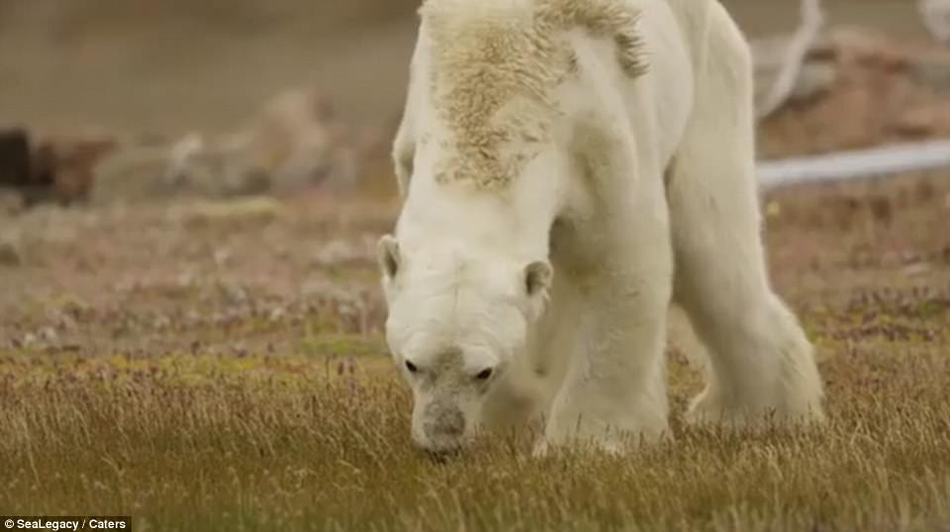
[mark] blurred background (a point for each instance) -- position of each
(191, 193)
(119, 100)
(171, 66)
(141, 98)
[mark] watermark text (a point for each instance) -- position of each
(70, 522)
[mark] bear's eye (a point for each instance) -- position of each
(484, 375)
(411, 367)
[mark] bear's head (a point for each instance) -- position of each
(455, 324)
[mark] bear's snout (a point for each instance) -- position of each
(444, 427)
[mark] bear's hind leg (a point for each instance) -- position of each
(760, 359)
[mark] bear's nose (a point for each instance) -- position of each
(443, 422)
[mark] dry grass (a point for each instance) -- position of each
(185, 445)
(205, 368)
(274, 408)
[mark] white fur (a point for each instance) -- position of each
(642, 176)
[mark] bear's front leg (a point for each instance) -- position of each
(615, 389)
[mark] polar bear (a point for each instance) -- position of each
(569, 171)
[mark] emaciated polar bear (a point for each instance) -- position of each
(569, 169)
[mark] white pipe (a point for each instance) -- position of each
(813, 20)
(855, 164)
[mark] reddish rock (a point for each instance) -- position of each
(51, 169)
(69, 165)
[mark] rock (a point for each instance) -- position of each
(233, 293)
(298, 140)
(9, 254)
(137, 172)
(295, 142)
(74, 161)
(14, 158)
(29, 340)
(917, 269)
(222, 257)
(49, 335)
(62, 168)
(933, 71)
(277, 314)
(918, 122)
(336, 253)
(853, 44)
(61, 320)
(814, 79)
(11, 203)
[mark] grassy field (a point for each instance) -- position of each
(220, 367)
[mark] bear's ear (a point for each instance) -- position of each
(537, 277)
(387, 251)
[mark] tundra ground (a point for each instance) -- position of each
(220, 367)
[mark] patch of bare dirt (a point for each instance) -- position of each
(860, 88)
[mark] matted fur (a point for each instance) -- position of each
(495, 65)
(495, 80)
